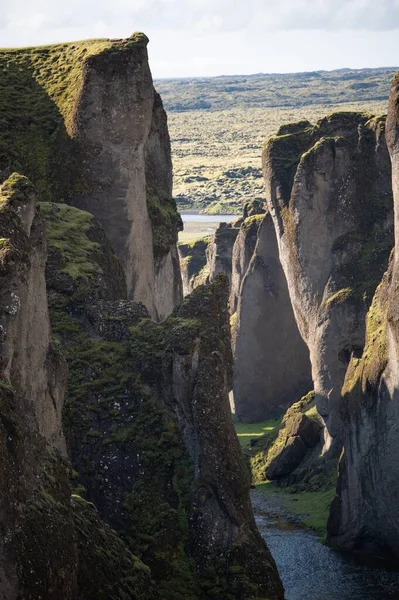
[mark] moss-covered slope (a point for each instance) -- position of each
(148, 425)
(54, 545)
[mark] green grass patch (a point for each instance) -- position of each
(247, 431)
(312, 507)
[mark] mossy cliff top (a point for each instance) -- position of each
(57, 69)
(17, 212)
(283, 152)
(358, 199)
(39, 89)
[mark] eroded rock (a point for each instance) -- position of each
(271, 361)
(98, 139)
(364, 514)
(331, 201)
(149, 429)
(45, 533)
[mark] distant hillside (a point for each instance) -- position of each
(276, 90)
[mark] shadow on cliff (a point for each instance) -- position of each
(33, 137)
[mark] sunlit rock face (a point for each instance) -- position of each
(330, 195)
(364, 514)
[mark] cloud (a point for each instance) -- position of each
(202, 16)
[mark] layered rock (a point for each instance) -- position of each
(331, 201)
(148, 423)
(44, 549)
(364, 515)
(272, 366)
(97, 138)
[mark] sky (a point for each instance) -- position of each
(220, 37)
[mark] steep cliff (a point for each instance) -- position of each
(364, 515)
(193, 264)
(243, 250)
(271, 361)
(220, 250)
(148, 424)
(331, 201)
(82, 120)
(53, 545)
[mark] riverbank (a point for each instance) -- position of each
(306, 508)
(309, 569)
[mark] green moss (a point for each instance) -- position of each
(67, 230)
(261, 442)
(39, 87)
(165, 220)
(312, 507)
(338, 298)
(363, 374)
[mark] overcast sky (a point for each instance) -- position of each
(214, 37)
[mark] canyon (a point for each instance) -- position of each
(123, 476)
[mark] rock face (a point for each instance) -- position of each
(103, 147)
(193, 264)
(243, 250)
(220, 250)
(49, 539)
(146, 421)
(148, 424)
(331, 202)
(272, 366)
(299, 434)
(29, 360)
(364, 515)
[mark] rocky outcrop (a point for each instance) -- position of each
(29, 360)
(364, 514)
(220, 250)
(97, 138)
(53, 545)
(193, 264)
(202, 260)
(243, 250)
(331, 201)
(148, 424)
(299, 433)
(228, 251)
(271, 361)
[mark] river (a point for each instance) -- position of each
(197, 218)
(311, 571)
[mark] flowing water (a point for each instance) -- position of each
(311, 571)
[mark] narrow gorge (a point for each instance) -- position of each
(172, 412)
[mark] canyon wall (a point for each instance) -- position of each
(330, 197)
(364, 514)
(148, 423)
(53, 544)
(271, 361)
(98, 139)
(140, 490)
